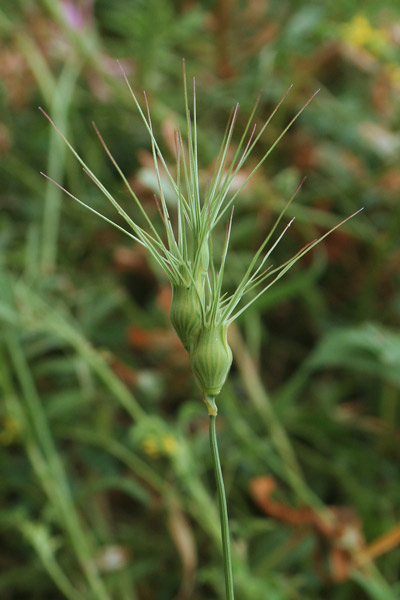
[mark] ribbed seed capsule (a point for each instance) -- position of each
(211, 358)
(185, 314)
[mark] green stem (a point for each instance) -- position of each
(223, 509)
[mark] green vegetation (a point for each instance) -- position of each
(106, 474)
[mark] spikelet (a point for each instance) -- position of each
(185, 314)
(211, 358)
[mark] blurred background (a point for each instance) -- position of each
(106, 488)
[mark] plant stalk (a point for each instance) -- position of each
(226, 548)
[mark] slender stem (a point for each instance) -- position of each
(223, 510)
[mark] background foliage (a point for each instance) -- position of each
(106, 488)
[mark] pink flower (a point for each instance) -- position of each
(78, 14)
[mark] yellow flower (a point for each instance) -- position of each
(9, 431)
(156, 446)
(151, 447)
(169, 444)
(360, 33)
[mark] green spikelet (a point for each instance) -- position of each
(204, 255)
(211, 358)
(185, 314)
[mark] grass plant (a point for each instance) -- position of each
(91, 375)
(201, 311)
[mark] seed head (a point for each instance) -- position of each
(200, 311)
